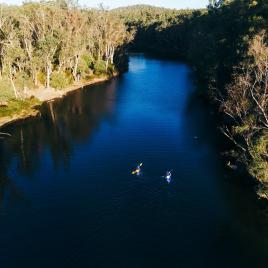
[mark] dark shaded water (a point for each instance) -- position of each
(68, 199)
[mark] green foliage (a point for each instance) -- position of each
(41, 37)
(24, 81)
(85, 65)
(258, 168)
(87, 61)
(41, 77)
(259, 149)
(241, 129)
(6, 91)
(258, 165)
(262, 190)
(99, 67)
(60, 80)
(17, 106)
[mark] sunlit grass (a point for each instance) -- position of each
(18, 106)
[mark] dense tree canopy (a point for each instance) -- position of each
(54, 43)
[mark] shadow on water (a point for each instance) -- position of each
(62, 124)
(248, 214)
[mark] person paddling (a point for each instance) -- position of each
(168, 176)
(137, 170)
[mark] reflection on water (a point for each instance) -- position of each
(68, 198)
(61, 122)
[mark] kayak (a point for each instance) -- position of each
(137, 171)
(168, 178)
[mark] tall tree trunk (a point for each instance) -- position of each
(98, 52)
(12, 82)
(14, 88)
(48, 75)
(112, 55)
(75, 68)
(107, 56)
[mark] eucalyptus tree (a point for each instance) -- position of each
(11, 53)
(46, 41)
(49, 36)
(78, 27)
(29, 36)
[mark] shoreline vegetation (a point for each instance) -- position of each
(16, 110)
(49, 48)
(227, 45)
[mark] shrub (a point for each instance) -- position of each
(258, 166)
(41, 77)
(87, 60)
(69, 76)
(24, 81)
(99, 67)
(59, 80)
(16, 106)
(88, 75)
(85, 67)
(6, 92)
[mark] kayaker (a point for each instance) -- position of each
(168, 176)
(137, 170)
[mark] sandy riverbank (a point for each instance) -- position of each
(46, 95)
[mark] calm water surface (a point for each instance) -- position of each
(68, 199)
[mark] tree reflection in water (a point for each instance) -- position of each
(62, 123)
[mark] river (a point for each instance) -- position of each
(68, 198)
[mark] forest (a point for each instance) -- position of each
(227, 46)
(53, 44)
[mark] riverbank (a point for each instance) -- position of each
(35, 98)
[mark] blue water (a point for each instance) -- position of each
(68, 199)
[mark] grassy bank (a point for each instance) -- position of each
(16, 109)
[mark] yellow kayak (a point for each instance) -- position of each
(135, 172)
